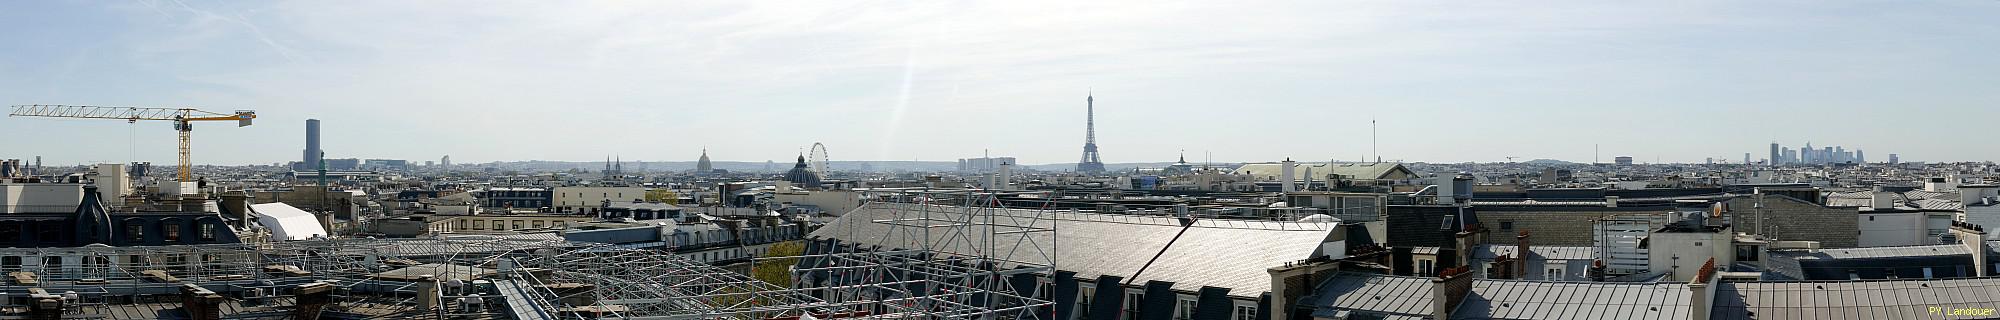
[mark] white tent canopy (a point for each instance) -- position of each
(287, 222)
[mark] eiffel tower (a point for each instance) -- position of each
(1090, 162)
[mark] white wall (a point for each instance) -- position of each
(1683, 253)
(569, 199)
(835, 202)
(40, 197)
(1891, 229)
(113, 183)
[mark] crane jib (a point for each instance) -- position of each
(180, 116)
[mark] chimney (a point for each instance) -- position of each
(1521, 250)
(1882, 200)
(1006, 176)
(1597, 270)
(310, 299)
(1448, 290)
(200, 303)
(43, 306)
(1703, 291)
(1974, 238)
(1285, 175)
(428, 297)
(236, 206)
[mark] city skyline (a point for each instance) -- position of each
(1569, 81)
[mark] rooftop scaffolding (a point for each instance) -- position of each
(513, 278)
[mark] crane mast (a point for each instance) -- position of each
(183, 119)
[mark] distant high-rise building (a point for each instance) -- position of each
(1746, 158)
(1622, 160)
(1806, 155)
(312, 152)
(446, 161)
(1090, 162)
(1776, 154)
(1860, 157)
(1894, 160)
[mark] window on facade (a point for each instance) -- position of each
(1245, 313)
(1043, 289)
(1553, 274)
(170, 231)
(538, 223)
(207, 231)
(1083, 296)
(518, 224)
(1185, 310)
(1132, 304)
(1927, 273)
(1424, 268)
(51, 233)
(479, 225)
(1506, 225)
(10, 263)
(1447, 222)
(11, 233)
(135, 231)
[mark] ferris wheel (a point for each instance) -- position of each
(817, 161)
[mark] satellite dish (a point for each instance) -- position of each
(817, 161)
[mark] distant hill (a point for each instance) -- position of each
(1548, 162)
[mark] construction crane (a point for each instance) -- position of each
(183, 119)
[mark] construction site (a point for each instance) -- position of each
(955, 263)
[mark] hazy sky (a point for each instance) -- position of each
(938, 80)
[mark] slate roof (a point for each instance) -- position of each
(1519, 299)
(1348, 295)
(1937, 204)
(1358, 295)
(1888, 252)
(1881, 299)
(1786, 264)
(1491, 252)
(1217, 253)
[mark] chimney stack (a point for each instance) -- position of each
(1882, 200)
(200, 303)
(1285, 175)
(237, 207)
(1521, 250)
(1006, 176)
(1448, 290)
(310, 299)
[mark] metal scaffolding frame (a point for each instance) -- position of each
(954, 262)
(944, 255)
